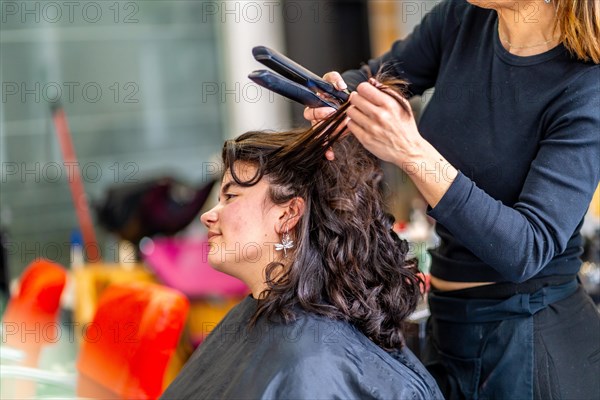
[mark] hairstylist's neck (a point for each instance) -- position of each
(528, 28)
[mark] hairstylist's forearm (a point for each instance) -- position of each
(431, 173)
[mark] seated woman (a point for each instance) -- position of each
(330, 281)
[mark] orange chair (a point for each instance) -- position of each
(30, 319)
(31, 314)
(127, 347)
(91, 280)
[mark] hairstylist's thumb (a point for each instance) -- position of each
(336, 79)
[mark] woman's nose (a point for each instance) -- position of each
(209, 217)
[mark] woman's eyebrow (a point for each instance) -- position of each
(228, 186)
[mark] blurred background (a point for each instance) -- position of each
(143, 93)
(151, 88)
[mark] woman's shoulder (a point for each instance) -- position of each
(310, 357)
(310, 334)
(337, 351)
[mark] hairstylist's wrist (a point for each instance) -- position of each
(416, 154)
(429, 170)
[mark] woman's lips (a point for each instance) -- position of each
(212, 234)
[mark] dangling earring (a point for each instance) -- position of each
(286, 243)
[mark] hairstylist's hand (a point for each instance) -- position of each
(382, 125)
(387, 128)
(314, 115)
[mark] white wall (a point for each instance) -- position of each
(244, 25)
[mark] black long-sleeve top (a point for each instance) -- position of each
(524, 133)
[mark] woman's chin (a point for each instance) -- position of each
(217, 264)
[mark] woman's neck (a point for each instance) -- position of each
(528, 28)
(257, 286)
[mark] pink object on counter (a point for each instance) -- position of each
(181, 263)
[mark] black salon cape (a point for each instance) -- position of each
(311, 358)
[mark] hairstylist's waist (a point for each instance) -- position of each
(444, 285)
(454, 263)
(505, 290)
(524, 302)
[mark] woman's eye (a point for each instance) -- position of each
(229, 196)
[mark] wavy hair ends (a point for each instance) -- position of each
(347, 262)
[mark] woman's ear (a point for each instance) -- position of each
(290, 214)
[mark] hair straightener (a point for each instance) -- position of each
(293, 81)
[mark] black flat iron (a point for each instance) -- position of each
(293, 81)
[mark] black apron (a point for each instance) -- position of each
(485, 345)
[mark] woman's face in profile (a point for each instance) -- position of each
(242, 226)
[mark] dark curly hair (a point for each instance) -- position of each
(347, 263)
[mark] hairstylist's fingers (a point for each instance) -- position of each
(343, 128)
(406, 106)
(358, 118)
(364, 105)
(329, 154)
(317, 114)
(374, 95)
(336, 79)
(308, 114)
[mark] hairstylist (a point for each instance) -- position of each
(507, 154)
